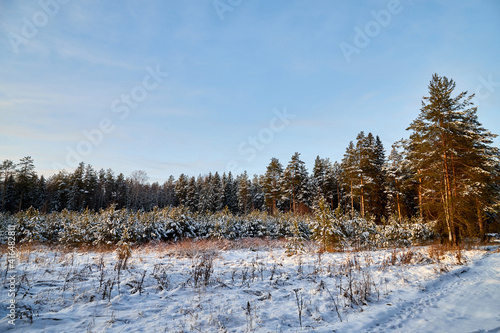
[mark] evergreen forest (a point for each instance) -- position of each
(445, 176)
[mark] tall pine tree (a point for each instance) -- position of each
(271, 184)
(454, 160)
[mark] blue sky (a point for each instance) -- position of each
(173, 87)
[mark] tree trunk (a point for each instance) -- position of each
(352, 201)
(480, 221)
(420, 203)
(362, 204)
(448, 197)
(338, 194)
(397, 202)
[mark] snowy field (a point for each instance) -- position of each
(253, 286)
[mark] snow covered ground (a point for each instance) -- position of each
(467, 299)
(200, 288)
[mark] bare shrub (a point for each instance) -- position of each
(359, 283)
(407, 257)
(137, 284)
(108, 288)
(249, 315)
(335, 301)
(26, 311)
(437, 251)
(123, 254)
(202, 271)
(189, 248)
(299, 300)
(161, 276)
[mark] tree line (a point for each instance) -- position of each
(447, 171)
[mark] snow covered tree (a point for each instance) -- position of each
(58, 190)
(76, 188)
(294, 184)
(244, 193)
(26, 180)
(454, 159)
(121, 188)
(363, 178)
(377, 198)
(271, 185)
(211, 194)
(324, 181)
(90, 188)
(40, 195)
(192, 195)
(7, 170)
(230, 192)
(323, 228)
(170, 199)
(395, 179)
(401, 189)
(257, 193)
(181, 189)
(218, 193)
(349, 175)
(111, 187)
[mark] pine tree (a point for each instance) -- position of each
(26, 181)
(324, 181)
(170, 199)
(193, 195)
(230, 193)
(211, 193)
(40, 197)
(9, 200)
(121, 197)
(181, 189)
(365, 170)
(76, 189)
(395, 179)
(323, 228)
(57, 191)
(218, 193)
(271, 185)
(378, 197)
(100, 195)
(475, 174)
(362, 176)
(295, 184)
(257, 193)
(90, 188)
(244, 193)
(349, 175)
(110, 188)
(7, 170)
(318, 178)
(336, 176)
(453, 158)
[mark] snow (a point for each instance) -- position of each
(467, 299)
(255, 289)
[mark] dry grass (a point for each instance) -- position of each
(184, 248)
(437, 251)
(191, 248)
